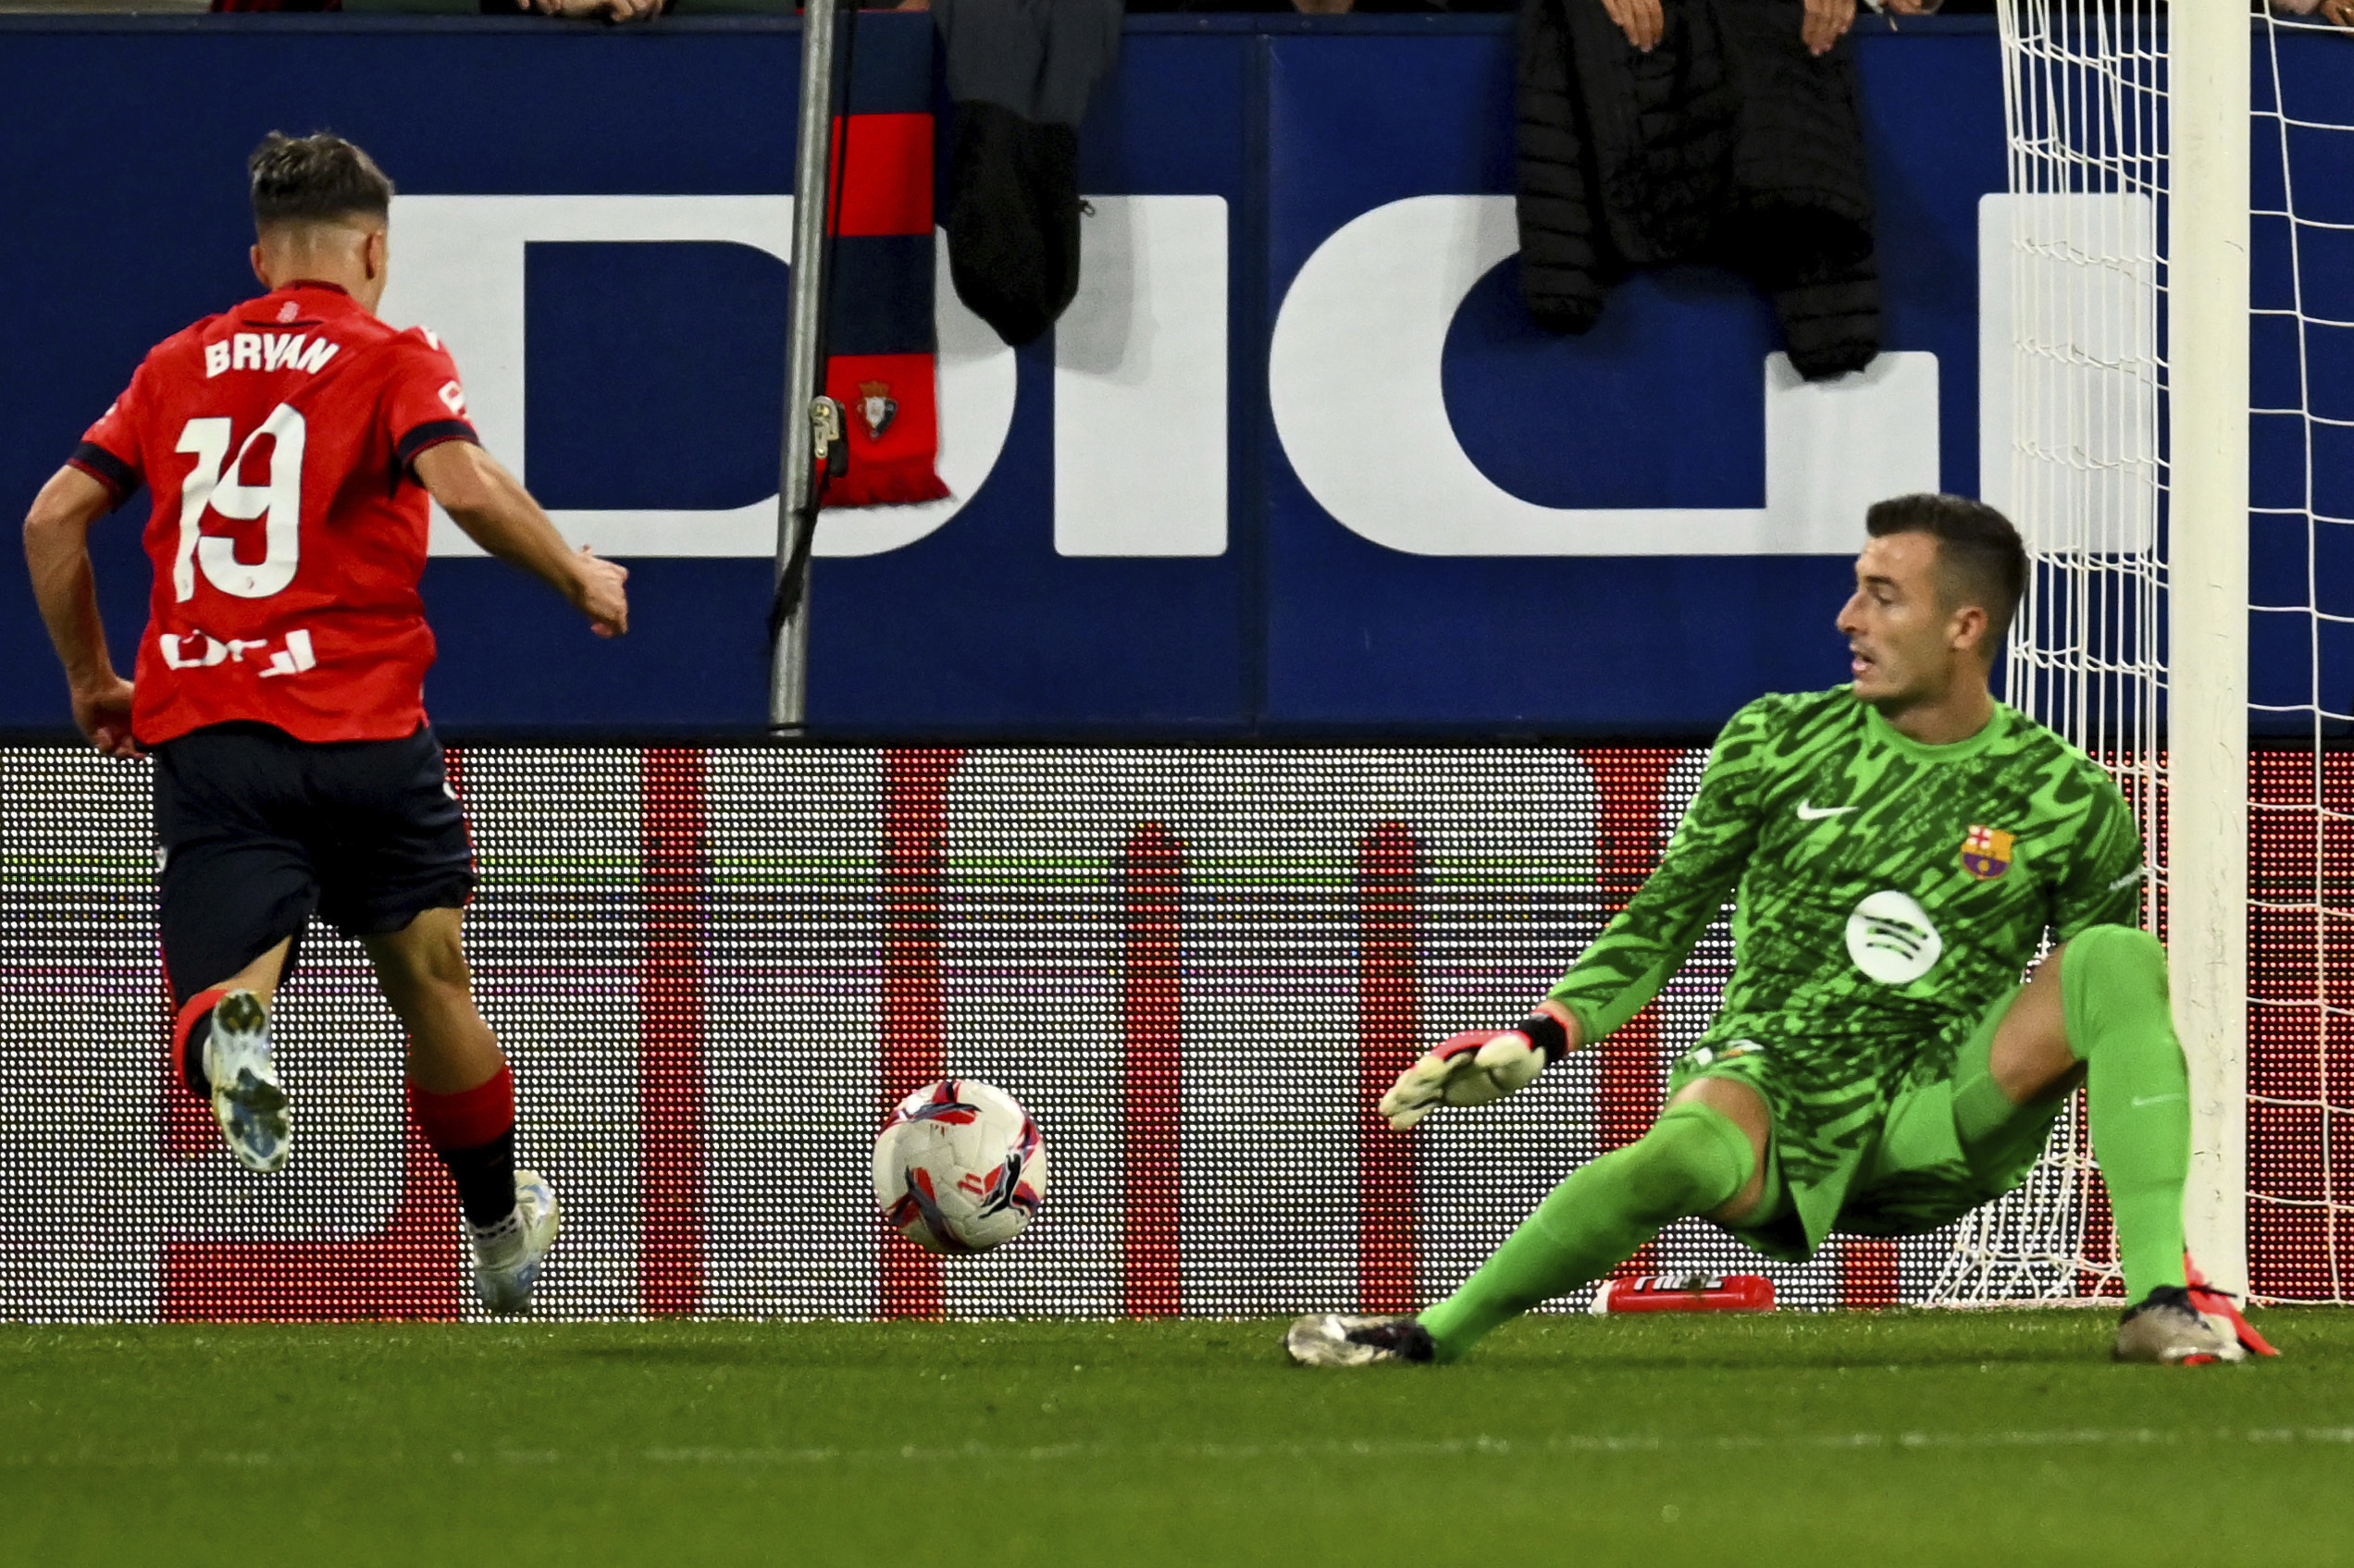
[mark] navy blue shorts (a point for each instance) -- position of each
(259, 832)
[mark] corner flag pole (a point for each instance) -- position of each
(797, 487)
(2208, 64)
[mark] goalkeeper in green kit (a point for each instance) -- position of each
(1897, 847)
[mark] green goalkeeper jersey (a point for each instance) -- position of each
(1888, 893)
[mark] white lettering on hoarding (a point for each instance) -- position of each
(1354, 377)
(1140, 382)
(461, 267)
(1140, 370)
(1141, 395)
(2068, 367)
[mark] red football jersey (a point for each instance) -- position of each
(289, 531)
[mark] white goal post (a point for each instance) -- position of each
(2207, 320)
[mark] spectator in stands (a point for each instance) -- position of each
(1641, 20)
(599, 10)
(1739, 144)
(594, 10)
(1332, 8)
(1826, 21)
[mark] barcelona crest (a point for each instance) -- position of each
(1986, 853)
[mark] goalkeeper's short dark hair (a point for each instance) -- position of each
(317, 179)
(1979, 554)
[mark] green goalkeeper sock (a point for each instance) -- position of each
(2112, 988)
(1693, 1159)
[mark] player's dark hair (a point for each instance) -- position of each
(1979, 556)
(314, 179)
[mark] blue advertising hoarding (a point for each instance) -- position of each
(1296, 463)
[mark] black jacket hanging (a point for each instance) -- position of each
(1021, 72)
(1727, 145)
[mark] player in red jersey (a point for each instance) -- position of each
(289, 445)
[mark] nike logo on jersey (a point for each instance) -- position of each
(275, 350)
(1807, 813)
(2140, 1101)
(2127, 880)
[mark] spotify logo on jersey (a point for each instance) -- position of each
(1890, 938)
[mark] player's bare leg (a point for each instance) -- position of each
(221, 1041)
(463, 1094)
(422, 972)
(1704, 1156)
(2095, 1012)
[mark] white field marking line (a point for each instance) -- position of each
(1249, 1453)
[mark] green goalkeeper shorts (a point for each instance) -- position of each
(1859, 1158)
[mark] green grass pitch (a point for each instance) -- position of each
(1899, 1437)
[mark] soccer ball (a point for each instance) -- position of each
(959, 1168)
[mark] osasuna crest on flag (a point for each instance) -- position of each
(1986, 853)
(877, 407)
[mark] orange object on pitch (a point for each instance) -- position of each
(1685, 1292)
(2207, 1299)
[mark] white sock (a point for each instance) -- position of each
(499, 1240)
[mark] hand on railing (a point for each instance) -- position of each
(1823, 25)
(607, 10)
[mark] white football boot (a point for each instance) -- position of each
(1324, 1339)
(507, 1266)
(2166, 1327)
(248, 1100)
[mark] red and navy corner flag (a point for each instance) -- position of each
(879, 333)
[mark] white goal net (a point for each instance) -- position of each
(2301, 1086)
(2097, 376)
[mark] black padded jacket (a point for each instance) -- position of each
(1728, 144)
(1021, 72)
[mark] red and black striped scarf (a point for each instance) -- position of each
(880, 338)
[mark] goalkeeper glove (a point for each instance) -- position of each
(1474, 1068)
